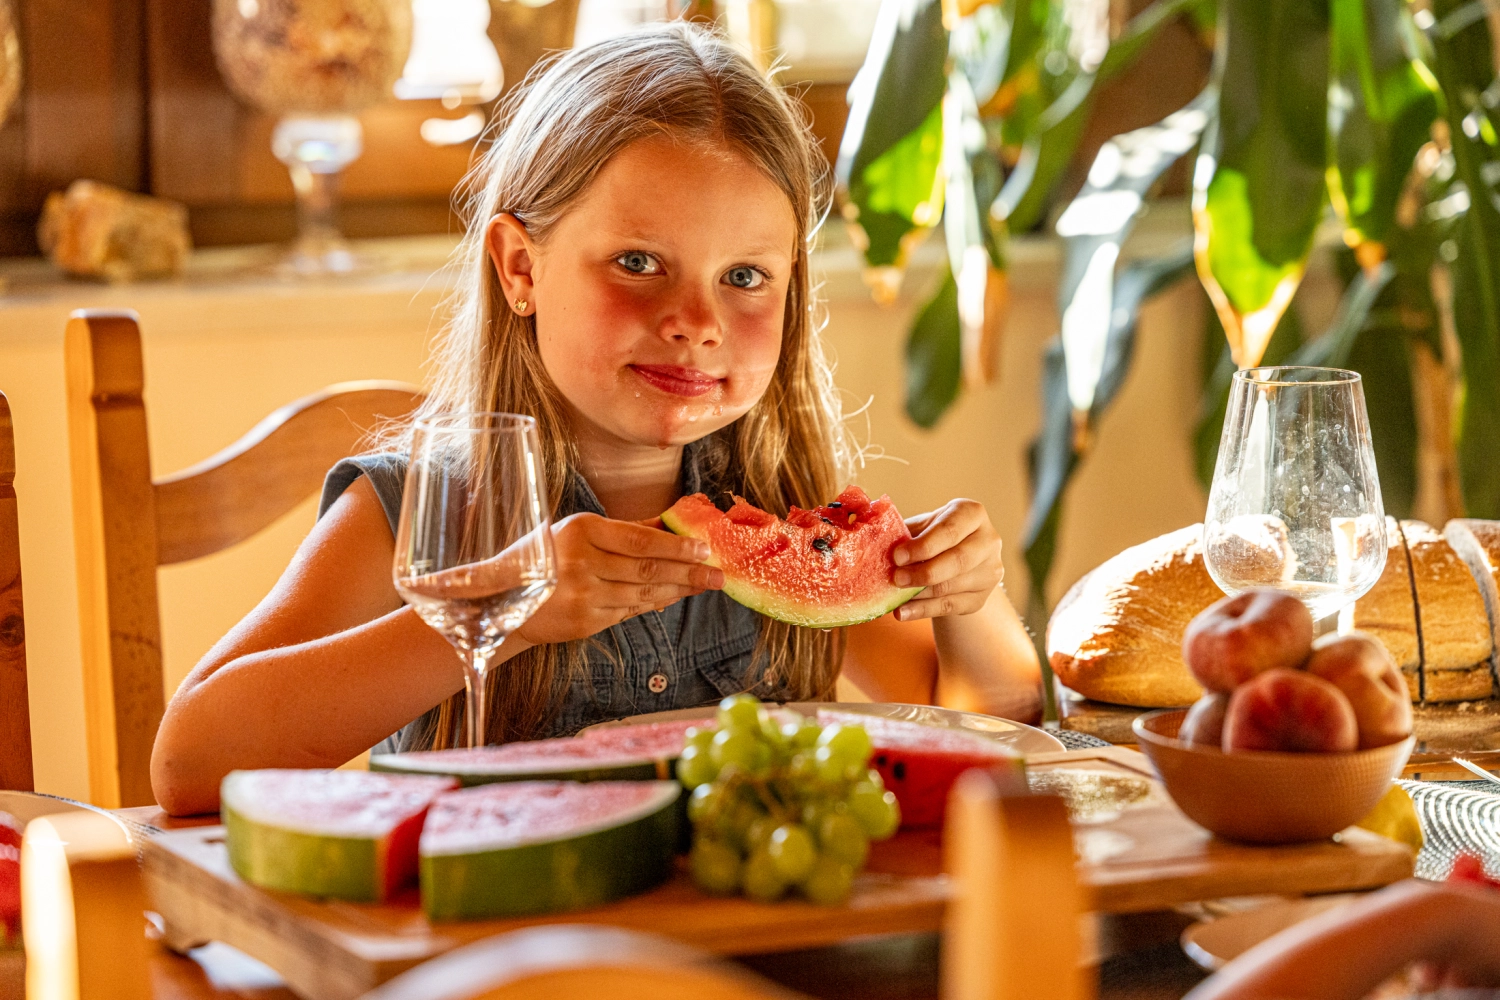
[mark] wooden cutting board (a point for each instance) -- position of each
(1137, 851)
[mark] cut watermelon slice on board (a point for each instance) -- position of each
(336, 834)
(531, 847)
(920, 763)
(822, 568)
(10, 882)
(645, 752)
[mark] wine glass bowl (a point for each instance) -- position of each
(1295, 502)
(474, 552)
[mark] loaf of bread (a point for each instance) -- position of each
(1117, 634)
(1478, 544)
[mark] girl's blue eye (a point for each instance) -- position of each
(637, 262)
(743, 277)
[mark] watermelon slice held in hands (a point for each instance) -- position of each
(821, 568)
(337, 834)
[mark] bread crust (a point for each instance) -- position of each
(1116, 636)
(1387, 611)
(1478, 545)
(1452, 623)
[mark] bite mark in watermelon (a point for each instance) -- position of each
(336, 834)
(530, 847)
(822, 568)
(920, 763)
(644, 752)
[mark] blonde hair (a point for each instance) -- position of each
(568, 119)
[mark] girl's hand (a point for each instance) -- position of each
(608, 571)
(955, 554)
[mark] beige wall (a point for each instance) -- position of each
(223, 351)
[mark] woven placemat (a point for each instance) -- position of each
(1458, 817)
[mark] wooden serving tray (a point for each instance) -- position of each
(1140, 857)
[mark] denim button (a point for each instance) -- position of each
(657, 683)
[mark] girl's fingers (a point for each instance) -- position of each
(937, 607)
(624, 596)
(967, 555)
(948, 527)
(626, 569)
(628, 538)
(977, 581)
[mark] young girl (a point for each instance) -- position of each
(635, 276)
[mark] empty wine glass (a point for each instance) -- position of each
(473, 542)
(1295, 502)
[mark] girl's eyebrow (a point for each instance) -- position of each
(628, 236)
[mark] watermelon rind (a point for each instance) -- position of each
(297, 856)
(597, 863)
(767, 601)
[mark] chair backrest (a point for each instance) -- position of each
(577, 962)
(15, 713)
(1012, 929)
(126, 524)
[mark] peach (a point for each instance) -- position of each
(1359, 666)
(1238, 637)
(1291, 711)
(1204, 722)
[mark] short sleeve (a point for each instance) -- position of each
(387, 475)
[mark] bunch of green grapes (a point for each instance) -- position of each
(780, 803)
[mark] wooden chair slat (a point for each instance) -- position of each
(265, 474)
(114, 525)
(15, 712)
(125, 525)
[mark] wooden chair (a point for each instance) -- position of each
(15, 713)
(1012, 929)
(126, 523)
(577, 962)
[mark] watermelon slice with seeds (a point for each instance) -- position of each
(528, 847)
(10, 882)
(920, 763)
(822, 568)
(644, 752)
(336, 834)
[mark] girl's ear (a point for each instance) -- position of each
(513, 255)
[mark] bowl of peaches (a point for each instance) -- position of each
(1294, 739)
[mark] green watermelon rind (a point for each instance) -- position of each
(311, 864)
(604, 862)
(767, 602)
(487, 774)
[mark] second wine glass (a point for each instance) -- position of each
(1295, 502)
(474, 544)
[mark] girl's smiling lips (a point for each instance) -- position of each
(677, 381)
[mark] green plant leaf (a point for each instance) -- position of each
(1095, 226)
(933, 362)
(1218, 375)
(1380, 112)
(1056, 451)
(1464, 68)
(1259, 187)
(1049, 147)
(892, 147)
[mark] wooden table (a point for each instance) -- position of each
(1151, 965)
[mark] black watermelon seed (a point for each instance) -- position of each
(899, 771)
(821, 544)
(880, 760)
(824, 519)
(835, 504)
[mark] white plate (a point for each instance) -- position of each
(1214, 943)
(1015, 735)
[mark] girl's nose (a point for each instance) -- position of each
(693, 320)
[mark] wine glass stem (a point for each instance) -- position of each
(317, 198)
(476, 669)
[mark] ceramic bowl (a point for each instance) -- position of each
(1267, 798)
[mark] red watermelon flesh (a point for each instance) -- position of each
(637, 752)
(337, 834)
(822, 568)
(920, 763)
(10, 882)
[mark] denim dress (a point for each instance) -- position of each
(693, 653)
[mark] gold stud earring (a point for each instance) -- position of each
(521, 305)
